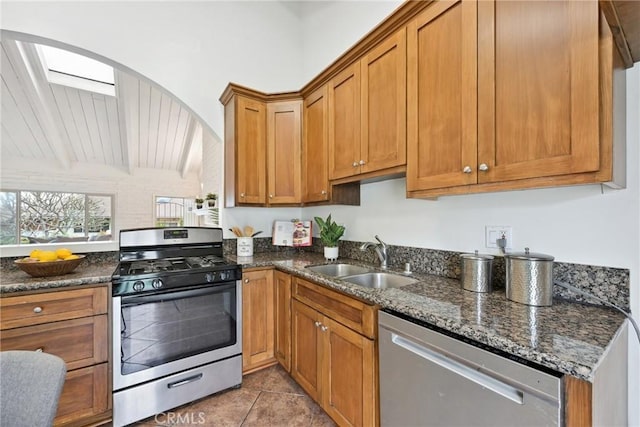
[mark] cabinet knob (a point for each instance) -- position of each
(318, 324)
(271, 196)
(39, 350)
(483, 167)
(37, 309)
(246, 280)
(324, 328)
(355, 164)
(323, 192)
(467, 169)
(362, 162)
(241, 194)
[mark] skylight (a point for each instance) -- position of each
(70, 69)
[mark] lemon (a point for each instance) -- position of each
(71, 257)
(47, 256)
(63, 253)
(34, 253)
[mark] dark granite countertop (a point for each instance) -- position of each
(15, 280)
(568, 337)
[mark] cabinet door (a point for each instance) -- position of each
(349, 387)
(538, 89)
(305, 351)
(441, 122)
(282, 283)
(315, 161)
(85, 394)
(250, 151)
(384, 105)
(257, 319)
(284, 145)
(344, 123)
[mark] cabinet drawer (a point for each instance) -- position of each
(34, 309)
(350, 312)
(79, 342)
(85, 394)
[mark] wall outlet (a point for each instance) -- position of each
(495, 232)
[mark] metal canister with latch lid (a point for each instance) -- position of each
(529, 278)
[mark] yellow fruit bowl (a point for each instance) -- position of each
(48, 268)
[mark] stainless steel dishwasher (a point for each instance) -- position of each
(428, 378)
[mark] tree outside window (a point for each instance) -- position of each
(50, 217)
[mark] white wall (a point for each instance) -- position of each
(329, 28)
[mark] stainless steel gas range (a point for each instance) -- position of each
(177, 321)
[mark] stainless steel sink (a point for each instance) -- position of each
(379, 280)
(338, 270)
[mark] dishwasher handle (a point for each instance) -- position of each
(460, 369)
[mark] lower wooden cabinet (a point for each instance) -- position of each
(71, 324)
(258, 332)
(282, 285)
(335, 365)
(349, 392)
(84, 395)
(305, 349)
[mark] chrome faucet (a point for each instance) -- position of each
(381, 251)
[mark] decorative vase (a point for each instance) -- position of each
(331, 254)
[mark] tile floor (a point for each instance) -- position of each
(267, 398)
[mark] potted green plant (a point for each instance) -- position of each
(211, 199)
(330, 233)
(199, 203)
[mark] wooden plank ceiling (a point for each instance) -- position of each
(141, 127)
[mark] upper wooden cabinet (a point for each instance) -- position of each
(442, 86)
(344, 123)
(315, 160)
(537, 89)
(506, 95)
(245, 151)
(283, 149)
(262, 149)
(367, 113)
(463, 96)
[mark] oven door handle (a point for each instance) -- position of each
(185, 381)
(175, 294)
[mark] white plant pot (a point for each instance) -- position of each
(331, 254)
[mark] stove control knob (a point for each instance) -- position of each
(224, 275)
(210, 277)
(138, 285)
(157, 283)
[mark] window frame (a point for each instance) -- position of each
(86, 216)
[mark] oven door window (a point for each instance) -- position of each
(161, 328)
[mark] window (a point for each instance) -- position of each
(182, 212)
(36, 217)
(70, 69)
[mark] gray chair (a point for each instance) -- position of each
(30, 387)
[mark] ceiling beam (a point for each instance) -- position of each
(127, 95)
(187, 156)
(27, 62)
